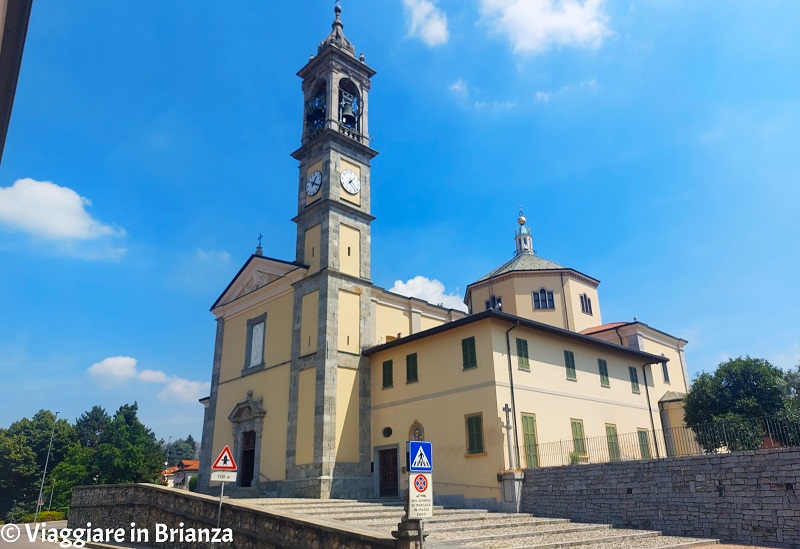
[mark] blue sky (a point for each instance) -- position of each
(652, 145)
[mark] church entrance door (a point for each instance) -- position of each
(387, 461)
(248, 458)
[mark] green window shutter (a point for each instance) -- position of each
(603, 366)
(388, 374)
(522, 354)
(569, 362)
(475, 434)
(468, 354)
(665, 371)
(613, 442)
(644, 443)
(578, 442)
(411, 368)
(634, 374)
(529, 439)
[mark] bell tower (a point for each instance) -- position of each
(328, 444)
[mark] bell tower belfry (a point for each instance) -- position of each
(328, 440)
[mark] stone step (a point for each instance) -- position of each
(552, 539)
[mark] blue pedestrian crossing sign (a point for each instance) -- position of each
(420, 455)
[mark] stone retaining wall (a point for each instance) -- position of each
(253, 526)
(746, 497)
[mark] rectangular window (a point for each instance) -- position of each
(468, 353)
(474, 434)
(578, 439)
(388, 374)
(613, 442)
(634, 373)
(644, 443)
(569, 362)
(665, 371)
(254, 348)
(522, 354)
(586, 304)
(529, 437)
(603, 367)
(411, 368)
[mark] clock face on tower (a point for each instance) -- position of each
(350, 182)
(314, 183)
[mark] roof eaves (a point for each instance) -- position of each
(512, 319)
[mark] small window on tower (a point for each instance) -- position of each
(543, 299)
(495, 303)
(586, 304)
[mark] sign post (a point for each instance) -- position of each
(223, 470)
(420, 483)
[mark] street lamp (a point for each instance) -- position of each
(39, 501)
(169, 441)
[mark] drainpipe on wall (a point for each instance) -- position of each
(513, 400)
(649, 408)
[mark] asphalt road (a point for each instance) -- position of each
(16, 536)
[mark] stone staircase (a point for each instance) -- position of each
(462, 528)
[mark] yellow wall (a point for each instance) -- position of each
(349, 317)
(347, 421)
(578, 319)
(428, 322)
(391, 321)
(274, 388)
(444, 394)
(305, 416)
(278, 345)
(349, 250)
(312, 249)
(309, 324)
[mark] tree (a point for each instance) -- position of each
(129, 451)
(92, 426)
(721, 407)
(793, 385)
(23, 453)
(182, 449)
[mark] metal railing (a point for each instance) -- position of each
(731, 435)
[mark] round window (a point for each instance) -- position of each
(387, 432)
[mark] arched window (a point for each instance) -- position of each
(543, 299)
(316, 108)
(349, 105)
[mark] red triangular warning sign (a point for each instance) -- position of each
(225, 461)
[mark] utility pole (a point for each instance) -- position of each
(39, 502)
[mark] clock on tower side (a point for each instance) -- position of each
(328, 439)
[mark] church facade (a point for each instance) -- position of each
(319, 376)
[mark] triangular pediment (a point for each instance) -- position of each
(257, 272)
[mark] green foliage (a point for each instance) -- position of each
(792, 378)
(182, 449)
(97, 449)
(721, 407)
(193, 484)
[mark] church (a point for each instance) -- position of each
(320, 377)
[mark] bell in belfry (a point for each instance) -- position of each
(349, 110)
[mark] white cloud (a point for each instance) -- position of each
(113, 370)
(116, 370)
(545, 96)
(50, 211)
(426, 22)
(535, 26)
(789, 358)
(184, 390)
(153, 376)
(459, 88)
(429, 290)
